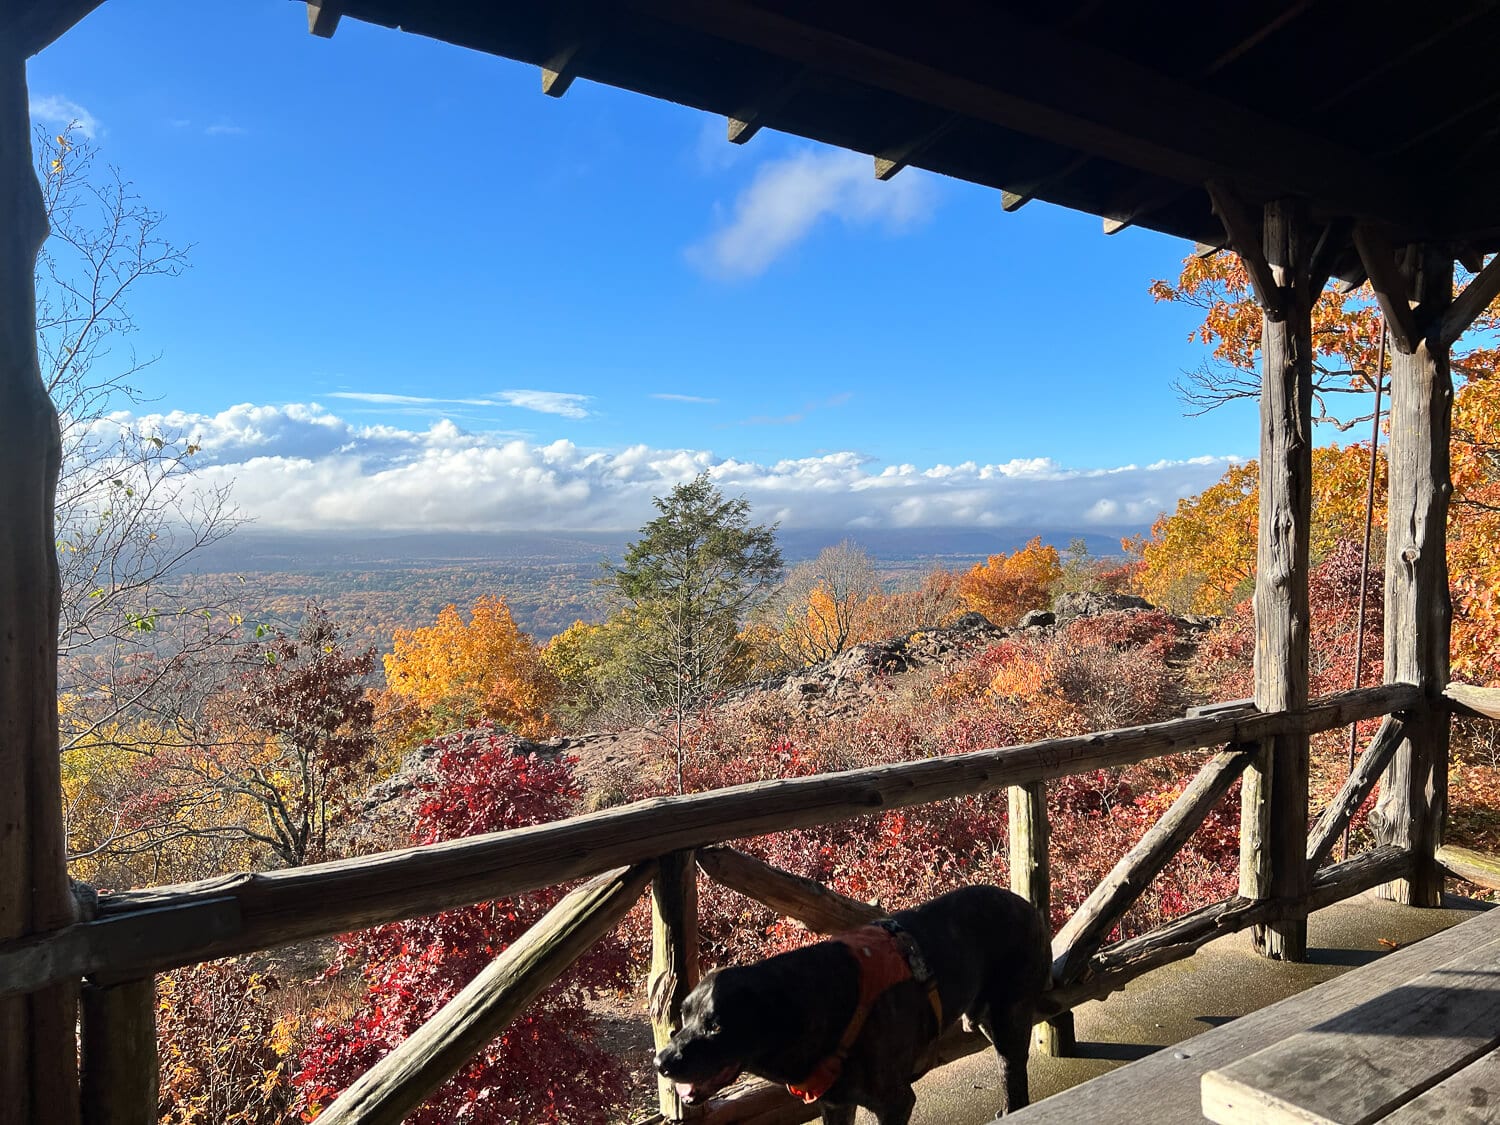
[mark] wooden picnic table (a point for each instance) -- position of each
(1408, 1038)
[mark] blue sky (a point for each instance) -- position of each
(422, 294)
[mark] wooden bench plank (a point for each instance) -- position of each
(1165, 1089)
(1470, 1097)
(1361, 1064)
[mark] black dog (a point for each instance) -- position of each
(847, 1022)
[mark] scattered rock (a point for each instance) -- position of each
(1070, 607)
(1036, 619)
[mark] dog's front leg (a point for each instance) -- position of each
(896, 1110)
(836, 1114)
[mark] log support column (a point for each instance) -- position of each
(1031, 878)
(1280, 256)
(118, 1049)
(674, 963)
(1414, 788)
(38, 1044)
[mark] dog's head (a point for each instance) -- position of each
(724, 1025)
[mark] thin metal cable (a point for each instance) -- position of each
(1364, 558)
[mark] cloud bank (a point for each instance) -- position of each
(790, 196)
(301, 467)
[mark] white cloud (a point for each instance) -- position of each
(548, 402)
(668, 397)
(301, 467)
(789, 196)
(58, 113)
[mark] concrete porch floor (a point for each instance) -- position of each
(1220, 982)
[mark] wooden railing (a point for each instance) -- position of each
(661, 843)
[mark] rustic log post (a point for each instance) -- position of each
(1031, 878)
(38, 1076)
(674, 963)
(118, 1049)
(1273, 847)
(1414, 791)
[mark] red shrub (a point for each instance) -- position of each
(548, 1065)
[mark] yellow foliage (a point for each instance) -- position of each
(456, 673)
(1201, 559)
(1007, 586)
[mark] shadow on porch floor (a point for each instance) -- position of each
(1222, 981)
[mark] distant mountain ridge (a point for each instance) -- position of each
(250, 550)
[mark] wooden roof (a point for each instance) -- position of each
(1387, 111)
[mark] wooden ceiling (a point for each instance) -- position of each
(1385, 111)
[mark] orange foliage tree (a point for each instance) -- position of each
(1007, 586)
(1201, 558)
(455, 673)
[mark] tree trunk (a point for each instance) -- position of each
(38, 1075)
(1414, 790)
(1274, 834)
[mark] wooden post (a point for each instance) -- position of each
(674, 963)
(1031, 878)
(38, 1075)
(1414, 790)
(1273, 841)
(118, 1044)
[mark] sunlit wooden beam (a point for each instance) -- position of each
(1379, 259)
(322, 18)
(892, 160)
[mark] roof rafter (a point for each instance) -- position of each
(1113, 109)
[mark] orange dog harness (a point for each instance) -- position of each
(886, 955)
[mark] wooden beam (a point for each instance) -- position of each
(1413, 802)
(1469, 257)
(821, 910)
(1117, 892)
(674, 964)
(559, 71)
(117, 1041)
(1205, 250)
(1115, 223)
(1469, 865)
(86, 949)
(1379, 259)
(1246, 237)
(1273, 819)
(38, 1033)
(1467, 307)
(1023, 193)
(1117, 965)
(1110, 107)
(33, 25)
(1478, 700)
(321, 899)
(1260, 34)
(757, 113)
(323, 17)
(1351, 795)
(893, 160)
(1347, 285)
(403, 1079)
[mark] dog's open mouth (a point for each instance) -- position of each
(694, 1092)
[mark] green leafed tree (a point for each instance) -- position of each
(687, 583)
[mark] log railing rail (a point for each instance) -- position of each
(662, 844)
